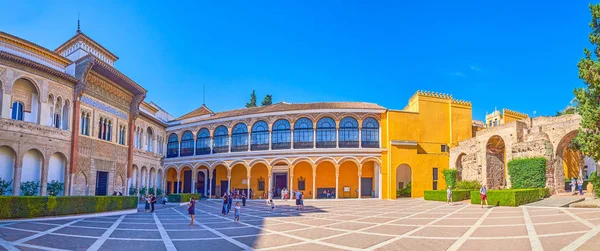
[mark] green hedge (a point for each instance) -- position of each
(39, 206)
(440, 195)
(450, 177)
(183, 197)
(511, 197)
(527, 172)
(468, 185)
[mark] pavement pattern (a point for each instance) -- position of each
(406, 224)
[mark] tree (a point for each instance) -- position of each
(588, 98)
(268, 100)
(252, 102)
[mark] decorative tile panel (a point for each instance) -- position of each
(104, 107)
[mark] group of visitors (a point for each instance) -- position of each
(117, 194)
(579, 184)
(150, 200)
(482, 195)
(328, 194)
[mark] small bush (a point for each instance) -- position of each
(151, 190)
(183, 197)
(595, 179)
(440, 195)
(450, 177)
(12, 207)
(30, 188)
(5, 186)
(404, 192)
(143, 190)
(159, 192)
(132, 191)
(468, 185)
(527, 172)
(511, 197)
(54, 188)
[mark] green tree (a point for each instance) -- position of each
(588, 98)
(268, 100)
(252, 102)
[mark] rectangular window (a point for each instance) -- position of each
(435, 178)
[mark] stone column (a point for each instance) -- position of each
(270, 184)
(178, 184)
(291, 181)
(291, 138)
(16, 190)
(248, 192)
(337, 139)
(209, 184)
(360, 137)
(270, 139)
(359, 185)
(229, 142)
(228, 184)
(314, 184)
(337, 182)
(44, 178)
(315, 137)
(130, 152)
(206, 184)
(194, 177)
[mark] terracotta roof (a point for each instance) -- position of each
(280, 107)
(36, 65)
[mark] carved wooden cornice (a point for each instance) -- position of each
(37, 66)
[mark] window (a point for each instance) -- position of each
(187, 144)
(149, 140)
(260, 136)
(435, 178)
(221, 140)
(261, 184)
(56, 122)
(104, 129)
(303, 133)
(122, 135)
(281, 135)
(326, 134)
(239, 138)
(349, 132)
(17, 111)
(203, 142)
(370, 133)
(173, 146)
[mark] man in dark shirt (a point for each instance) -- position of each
(152, 202)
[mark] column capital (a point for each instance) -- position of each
(228, 177)
(359, 174)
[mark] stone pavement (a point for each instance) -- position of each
(406, 224)
(556, 201)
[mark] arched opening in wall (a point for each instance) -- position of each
(26, 102)
(144, 178)
(65, 115)
(134, 176)
(80, 186)
(149, 140)
(185, 178)
(239, 176)
(459, 166)
(220, 181)
(7, 166)
(31, 172)
(57, 169)
(56, 121)
(495, 162)
(303, 178)
(119, 184)
(325, 180)
(369, 179)
(567, 162)
(348, 180)
(259, 175)
(202, 180)
(403, 181)
(152, 180)
(171, 177)
(159, 180)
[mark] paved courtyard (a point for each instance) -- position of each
(407, 224)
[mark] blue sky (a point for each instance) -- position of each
(511, 55)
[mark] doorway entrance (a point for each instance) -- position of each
(101, 183)
(366, 185)
(187, 181)
(280, 181)
(224, 187)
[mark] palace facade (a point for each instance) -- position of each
(69, 115)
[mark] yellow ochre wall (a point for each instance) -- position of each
(433, 121)
(571, 163)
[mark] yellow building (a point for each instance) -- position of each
(351, 149)
(496, 118)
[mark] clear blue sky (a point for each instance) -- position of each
(512, 55)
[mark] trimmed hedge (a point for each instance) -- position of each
(440, 195)
(450, 177)
(468, 185)
(12, 207)
(511, 197)
(183, 197)
(527, 172)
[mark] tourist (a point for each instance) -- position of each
(580, 185)
(237, 212)
(483, 194)
(192, 210)
(325, 194)
(152, 202)
(114, 193)
(272, 204)
(301, 201)
(225, 203)
(229, 203)
(449, 195)
(573, 184)
(297, 197)
(147, 200)
(164, 200)
(244, 198)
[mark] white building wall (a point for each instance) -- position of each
(7, 163)
(56, 168)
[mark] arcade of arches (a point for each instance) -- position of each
(342, 177)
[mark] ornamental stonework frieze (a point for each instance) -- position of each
(58, 90)
(85, 146)
(84, 164)
(103, 150)
(34, 129)
(107, 92)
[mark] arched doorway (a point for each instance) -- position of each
(220, 181)
(369, 179)
(32, 169)
(567, 162)
(259, 175)
(7, 165)
(134, 176)
(403, 181)
(171, 177)
(143, 181)
(202, 180)
(495, 162)
(239, 176)
(159, 180)
(459, 166)
(152, 181)
(185, 180)
(303, 178)
(325, 180)
(348, 180)
(57, 169)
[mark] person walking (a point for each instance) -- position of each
(297, 196)
(237, 212)
(483, 194)
(229, 202)
(301, 201)
(449, 195)
(147, 200)
(225, 203)
(580, 185)
(272, 204)
(244, 198)
(573, 185)
(192, 210)
(152, 202)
